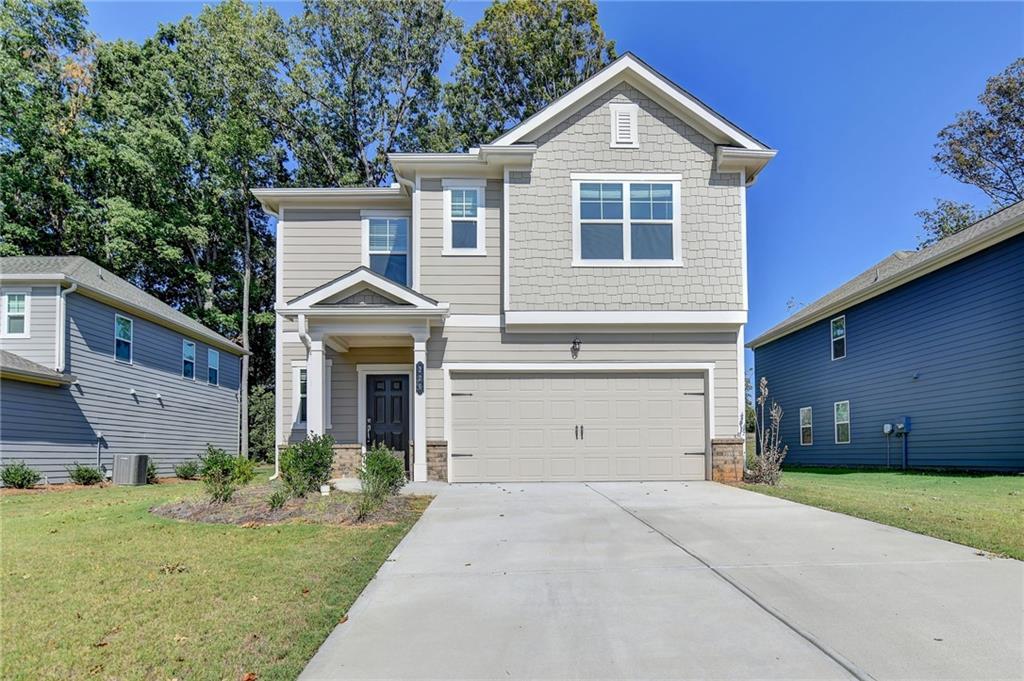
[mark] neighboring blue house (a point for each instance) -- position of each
(91, 366)
(930, 342)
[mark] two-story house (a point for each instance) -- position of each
(917, 362)
(564, 303)
(92, 367)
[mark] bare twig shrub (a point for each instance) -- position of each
(766, 467)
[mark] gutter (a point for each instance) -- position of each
(62, 320)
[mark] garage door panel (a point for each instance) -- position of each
(524, 427)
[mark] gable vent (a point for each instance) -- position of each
(623, 125)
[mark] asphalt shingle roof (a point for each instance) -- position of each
(18, 364)
(90, 275)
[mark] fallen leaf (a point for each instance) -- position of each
(343, 620)
(249, 676)
(100, 644)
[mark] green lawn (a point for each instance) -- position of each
(94, 586)
(983, 511)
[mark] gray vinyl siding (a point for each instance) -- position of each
(946, 349)
(49, 427)
(540, 271)
(320, 245)
(471, 284)
(40, 346)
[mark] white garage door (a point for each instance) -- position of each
(586, 426)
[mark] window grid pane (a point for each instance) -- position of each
(16, 303)
(388, 235)
(651, 241)
(464, 203)
(600, 241)
(123, 329)
(463, 234)
(600, 201)
(650, 201)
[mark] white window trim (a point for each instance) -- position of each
(614, 109)
(836, 421)
(301, 364)
(625, 179)
(810, 425)
(366, 215)
(832, 339)
(131, 341)
(480, 186)
(195, 363)
(27, 333)
(210, 353)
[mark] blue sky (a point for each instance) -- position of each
(851, 94)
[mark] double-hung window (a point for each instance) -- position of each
(188, 360)
(212, 367)
(626, 222)
(123, 338)
(806, 426)
(15, 314)
(387, 247)
(839, 337)
(842, 419)
(464, 227)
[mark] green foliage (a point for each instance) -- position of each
(84, 475)
(245, 471)
(381, 476)
(307, 464)
(188, 470)
(217, 470)
(518, 58)
(151, 478)
(261, 423)
(277, 498)
(948, 217)
(19, 475)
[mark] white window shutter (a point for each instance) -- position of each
(624, 125)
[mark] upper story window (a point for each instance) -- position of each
(842, 420)
(212, 367)
(624, 125)
(188, 359)
(15, 314)
(123, 334)
(386, 242)
(839, 337)
(806, 426)
(464, 217)
(619, 222)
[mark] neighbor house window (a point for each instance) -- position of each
(15, 314)
(387, 247)
(464, 217)
(633, 223)
(842, 414)
(806, 426)
(188, 360)
(212, 367)
(839, 337)
(123, 338)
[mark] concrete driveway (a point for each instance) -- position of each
(673, 580)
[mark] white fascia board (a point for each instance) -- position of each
(611, 318)
(16, 278)
(747, 161)
(397, 312)
(271, 198)
(626, 65)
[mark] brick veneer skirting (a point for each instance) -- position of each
(437, 460)
(347, 460)
(727, 459)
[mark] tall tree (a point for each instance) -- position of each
(362, 82)
(45, 76)
(948, 217)
(516, 60)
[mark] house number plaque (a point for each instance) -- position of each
(419, 378)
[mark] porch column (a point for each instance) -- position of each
(419, 406)
(315, 388)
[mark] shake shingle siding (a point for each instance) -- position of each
(51, 427)
(946, 349)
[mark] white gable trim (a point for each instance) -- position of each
(363, 278)
(628, 65)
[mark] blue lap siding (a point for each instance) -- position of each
(946, 349)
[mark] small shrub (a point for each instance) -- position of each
(19, 475)
(277, 498)
(151, 478)
(189, 470)
(217, 470)
(766, 467)
(245, 470)
(84, 475)
(381, 476)
(306, 465)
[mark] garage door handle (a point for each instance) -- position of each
(581, 432)
(700, 453)
(459, 455)
(577, 431)
(462, 394)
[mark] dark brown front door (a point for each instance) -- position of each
(387, 413)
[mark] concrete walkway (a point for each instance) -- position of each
(673, 580)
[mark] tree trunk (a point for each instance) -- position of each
(246, 277)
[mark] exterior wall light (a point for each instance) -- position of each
(574, 349)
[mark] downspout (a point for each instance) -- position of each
(307, 341)
(58, 364)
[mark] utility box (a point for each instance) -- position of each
(130, 469)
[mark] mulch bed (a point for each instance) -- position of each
(249, 508)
